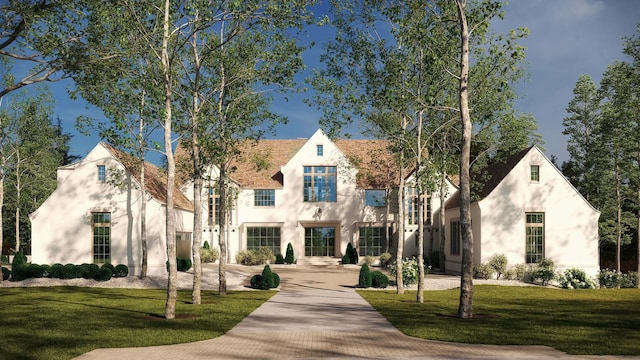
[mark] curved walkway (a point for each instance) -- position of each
(318, 315)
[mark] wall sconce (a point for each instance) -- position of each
(233, 230)
(319, 211)
(215, 230)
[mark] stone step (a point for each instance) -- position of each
(319, 260)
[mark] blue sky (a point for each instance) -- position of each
(567, 38)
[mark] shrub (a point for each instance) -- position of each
(37, 271)
(184, 264)
(108, 265)
(255, 257)
(543, 272)
(369, 260)
(208, 255)
(289, 258)
(19, 273)
(353, 254)
(345, 259)
(483, 271)
(276, 280)
(575, 278)
(364, 279)
(256, 281)
(499, 264)
(5, 273)
(18, 260)
(409, 271)
(379, 280)
(613, 279)
(384, 259)
(55, 271)
(279, 259)
(121, 270)
(4, 259)
(71, 271)
(519, 270)
(104, 274)
(90, 271)
(629, 280)
(206, 245)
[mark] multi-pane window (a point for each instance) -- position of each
(412, 206)
(319, 183)
(375, 197)
(102, 173)
(456, 239)
(101, 226)
(535, 173)
(371, 241)
(264, 197)
(263, 237)
(319, 150)
(534, 237)
(213, 207)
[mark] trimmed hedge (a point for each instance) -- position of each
(121, 270)
(184, 264)
(379, 280)
(68, 271)
(265, 281)
(364, 278)
(104, 274)
(279, 259)
(5, 273)
(289, 259)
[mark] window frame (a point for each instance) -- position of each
(455, 238)
(264, 197)
(321, 179)
(102, 239)
(319, 150)
(102, 173)
(534, 237)
(534, 173)
(266, 237)
(376, 241)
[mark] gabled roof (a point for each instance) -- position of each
(260, 163)
(155, 178)
(496, 173)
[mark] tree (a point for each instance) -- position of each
(580, 126)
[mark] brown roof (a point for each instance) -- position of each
(260, 162)
(490, 176)
(155, 179)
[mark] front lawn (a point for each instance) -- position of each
(65, 322)
(595, 322)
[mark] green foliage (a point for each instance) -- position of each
(279, 259)
(5, 273)
(19, 259)
(38, 271)
(384, 259)
(483, 271)
(265, 281)
(379, 280)
(255, 257)
(206, 245)
(108, 265)
(4, 259)
(184, 264)
(55, 271)
(543, 272)
(613, 279)
(364, 278)
(345, 259)
(208, 255)
(289, 258)
(499, 264)
(256, 281)
(353, 254)
(71, 271)
(90, 271)
(104, 274)
(410, 272)
(121, 270)
(575, 278)
(369, 260)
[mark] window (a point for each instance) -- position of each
(264, 197)
(101, 226)
(102, 173)
(455, 238)
(319, 184)
(319, 150)
(263, 237)
(371, 241)
(375, 197)
(183, 244)
(412, 206)
(534, 237)
(535, 173)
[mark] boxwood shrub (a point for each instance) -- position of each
(55, 271)
(104, 274)
(184, 264)
(364, 278)
(121, 270)
(5, 273)
(289, 258)
(379, 280)
(279, 259)
(265, 281)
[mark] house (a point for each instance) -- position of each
(93, 215)
(527, 210)
(317, 194)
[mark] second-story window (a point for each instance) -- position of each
(264, 197)
(319, 150)
(319, 184)
(535, 173)
(375, 197)
(102, 173)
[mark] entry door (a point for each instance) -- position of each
(319, 241)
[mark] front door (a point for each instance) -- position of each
(319, 241)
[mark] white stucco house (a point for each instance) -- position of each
(317, 194)
(527, 210)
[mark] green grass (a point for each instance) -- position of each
(65, 322)
(585, 322)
